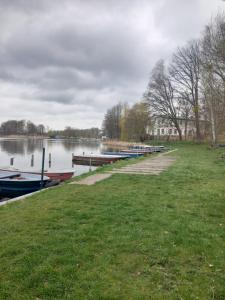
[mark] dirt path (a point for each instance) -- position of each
(90, 180)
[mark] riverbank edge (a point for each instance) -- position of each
(23, 137)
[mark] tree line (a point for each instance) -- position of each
(70, 132)
(21, 127)
(190, 85)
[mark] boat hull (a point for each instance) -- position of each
(148, 148)
(125, 154)
(20, 186)
(96, 160)
(59, 176)
(137, 152)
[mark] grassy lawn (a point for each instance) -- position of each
(128, 237)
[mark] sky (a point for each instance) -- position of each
(64, 63)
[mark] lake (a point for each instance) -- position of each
(61, 153)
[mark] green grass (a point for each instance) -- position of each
(128, 237)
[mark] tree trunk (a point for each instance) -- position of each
(180, 134)
(185, 129)
(178, 129)
(213, 127)
(197, 125)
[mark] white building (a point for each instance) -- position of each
(163, 127)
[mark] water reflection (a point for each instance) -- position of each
(12, 147)
(22, 147)
(27, 153)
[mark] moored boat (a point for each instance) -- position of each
(59, 175)
(138, 151)
(126, 154)
(14, 184)
(53, 175)
(96, 159)
(148, 148)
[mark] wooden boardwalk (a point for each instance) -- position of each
(150, 166)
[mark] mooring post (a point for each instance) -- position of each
(32, 160)
(42, 168)
(11, 161)
(72, 160)
(49, 160)
(90, 165)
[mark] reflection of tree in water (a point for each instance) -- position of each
(33, 145)
(21, 146)
(72, 145)
(13, 147)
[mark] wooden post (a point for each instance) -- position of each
(11, 161)
(49, 160)
(72, 160)
(90, 165)
(42, 168)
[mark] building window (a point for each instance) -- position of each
(175, 131)
(162, 131)
(158, 131)
(170, 131)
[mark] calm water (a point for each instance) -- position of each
(61, 153)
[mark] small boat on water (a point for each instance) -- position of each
(138, 151)
(127, 154)
(14, 184)
(53, 175)
(59, 175)
(148, 147)
(97, 159)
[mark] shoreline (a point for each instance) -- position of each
(22, 137)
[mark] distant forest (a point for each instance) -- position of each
(23, 127)
(76, 133)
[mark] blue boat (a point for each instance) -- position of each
(124, 154)
(14, 184)
(148, 148)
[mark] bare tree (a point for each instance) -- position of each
(213, 73)
(213, 46)
(185, 112)
(160, 95)
(111, 124)
(185, 71)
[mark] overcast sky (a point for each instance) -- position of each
(66, 62)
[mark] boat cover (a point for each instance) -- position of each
(5, 174)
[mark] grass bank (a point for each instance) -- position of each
(128, 237)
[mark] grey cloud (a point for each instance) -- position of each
(59, 97)
(88, 54)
